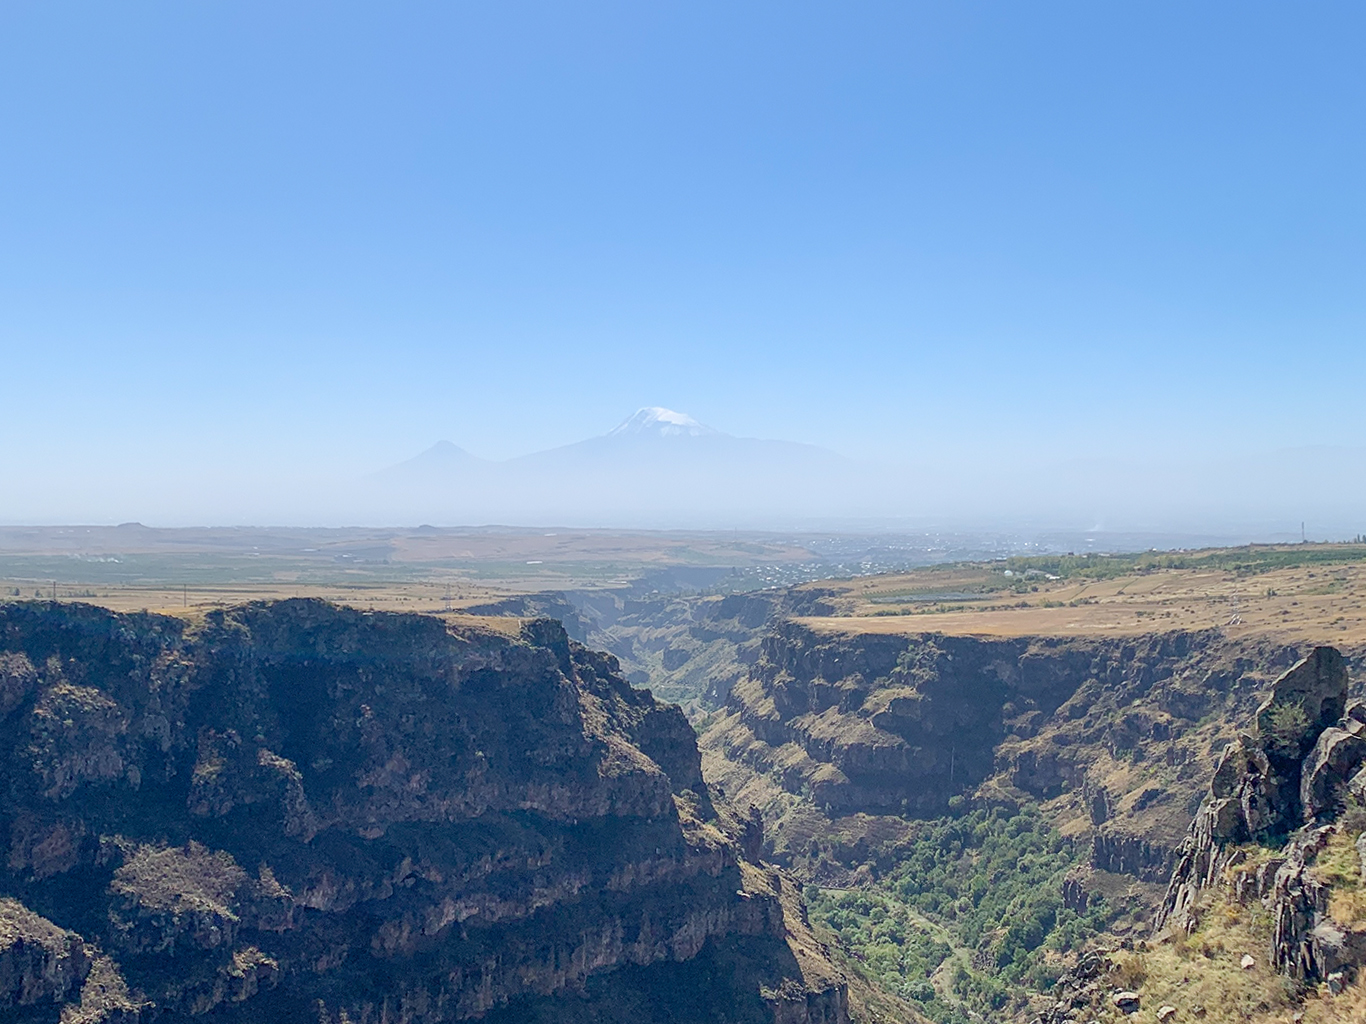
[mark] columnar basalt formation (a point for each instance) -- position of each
(298, 811)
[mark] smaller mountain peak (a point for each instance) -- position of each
(661, 422)
(445, 453)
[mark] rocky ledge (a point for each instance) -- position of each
(1278, 800)
(297, 811)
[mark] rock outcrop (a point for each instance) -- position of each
(1131, 855)
(1082, 989)
(1303, 702)
(39, 962)
(1283, 789)
(297, 811)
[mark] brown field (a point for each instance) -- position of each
(1322, 603)
(187, 571)
(419, 546)
(194, 601)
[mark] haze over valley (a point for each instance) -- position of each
(661, 469)
(695, 513)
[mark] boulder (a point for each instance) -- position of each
(1338, 947)
(1166, 1013)
(1260, 799)
(1225, 819)
(1126, 1001)
(1355, 711)
(1328, 770)
(1308, 698)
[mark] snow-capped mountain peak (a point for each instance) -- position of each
(654, 420)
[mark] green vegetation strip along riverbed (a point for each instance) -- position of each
(965, 919)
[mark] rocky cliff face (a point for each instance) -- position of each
(1116, 735)
(296, 811)
(892, 723)
(1275, 804)
(1264, 917)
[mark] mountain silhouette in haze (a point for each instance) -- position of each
(442, 457)
(656, 466)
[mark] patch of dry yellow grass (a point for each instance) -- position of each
(1339, 865)
(1324, 603)
(1204, 970)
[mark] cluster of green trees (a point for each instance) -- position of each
(981, 891)
(1253, 558)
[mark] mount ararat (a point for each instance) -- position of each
(658, 466)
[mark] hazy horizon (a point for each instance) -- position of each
(1231, 501)
(1058, 267)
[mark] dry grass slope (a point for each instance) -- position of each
(1203, 978)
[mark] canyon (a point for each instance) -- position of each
(885, 799)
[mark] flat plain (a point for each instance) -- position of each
(1308, 593)
(1300, 592)
(179, 571)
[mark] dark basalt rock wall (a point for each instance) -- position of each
(1131, 855)
(1119, 736)
(903, 723)
(298, 811)
(39, 962)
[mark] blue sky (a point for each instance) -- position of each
(264, 241)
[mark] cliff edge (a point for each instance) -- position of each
(295, 811)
